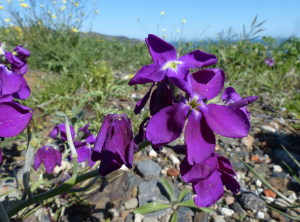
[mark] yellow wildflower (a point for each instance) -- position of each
(183, 21)
(7, 20)
(165, 30)
(39, 23)
(42, 6)
(54, 2)
(6, 31)
(8, 1)
(10, 26)
(17, 37)
(48, 12)
(178, 30)
(20, 0)
(164, 36)
(1, 7)
(162, 13)
(85, 32)
(76, 4)
(74, 30)
(65, 2)
(97, 11)
(83, 13)
(77, 20)
(71, 15)
(54, 16)
(63, 8)
(33, 34)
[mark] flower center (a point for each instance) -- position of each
(171, 64)
(194, 102)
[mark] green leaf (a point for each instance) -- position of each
(183, 193)
(191, 204)
(174, 217)
(292, 172)
(291, 156)
(168, 188)
(150, 207)
(254, 21)
(282, 213)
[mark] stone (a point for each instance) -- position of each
(172, 172)
(201, 217)
(269, 193)
(185, 214)
(268, 128)
(258, 183)
(229, 200)
(254, 158)
(237, 208)
(129, 218)
(151, 219)
(138, 217)
(277, 168)
(277, 216)
(152, 153)
(131, 204)
(148, 168)
(124, 214)
(251, 202)
(260, 215)
(248, 142)
(163, 172)
(226, 212)
(281, 202)
(277, 182)
(174, 159)
(292, 197)
(218, 218)
(281, 155)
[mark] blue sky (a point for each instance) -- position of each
(118, 17)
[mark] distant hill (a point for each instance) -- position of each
(119, 38)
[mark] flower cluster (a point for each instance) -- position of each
(172, 112)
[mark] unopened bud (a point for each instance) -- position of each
(34, 143)
(69, 113)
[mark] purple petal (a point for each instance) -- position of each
(63, 134)
(226, 121)
(49, 161)
(91, 139)
(161, 98)
(230, 182)
(24, 92)
(160, 50)
(96, 155)
(141, 104)
(21, 51)
(54, 132)
(197, 59)
(39, 157)
(14, 118)
(244, 102)
(227, 92)
(197, 172)
(141, 136)
(58, 157)
(209, 190)
(149, 73)
(108, 155)
(199, 139)
(6, 99)
(90, 161)
(10, 82)
(208, 82)
(225, 165)
(83, 154)
(78, 144)
(181, 84)
(167, 124)
(85, 129)
(179, 72)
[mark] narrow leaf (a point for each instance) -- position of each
(254, 21)
(151, 207)
(183, 193)
(191, 204)
(168, 188)
(292, 172)
(174, 217)
(282, 213)
(291, 156)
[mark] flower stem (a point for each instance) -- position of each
(4, 216)
(144, 144)
(69, 137)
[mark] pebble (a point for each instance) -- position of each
(292, 197)
(251, 202)
(260, 215)
(269, 193)
(227, 212)
(131, 204)
(138, 217)
(163, 172)
(218, 218)
(173, 172)
(237, 208)
(150, 219)
(174, 159)
(152, 153)
(229, 200)
(248, 142)
(258, 183)
(268, 128)
(281, 202)
(277, 168)
(148, 168)
(258, 191)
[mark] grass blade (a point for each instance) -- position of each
(151, 207)
(292, 172)
(168, 188)
(291, 156)
(191, 204)
(282, 213)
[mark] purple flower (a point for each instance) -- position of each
(12, 85)
(208, 179)
(62, 129)
(14, 118)
(165, 64)
(49, 156)
(114, 145)
(84, 150)
(85, 129)
(203, 119)
(269, 61)
(18, 62)
(233, 99)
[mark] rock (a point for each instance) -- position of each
(131, 204)
(277, 216)
(292, 197)
(151, 219)
(138, 217)
(229, 200)
(148, 168)
(260, 215)
(281, 155)
(254, 158)
(269, 193)
(251, 202)
(258, 183)
(201, 217)
(281, 202)
(277, 182)
(259, 168)
(152, 153)
(268, 128)
(248, 142)
(226, 212)
(185, 214)
(163, 172)
(237, 208)
(172, 172)
(218, 218)
(124, 214)
(174, 159)
(277, 168)
(129, 218)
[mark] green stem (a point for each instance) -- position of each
(144, 144)
(4, 217)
